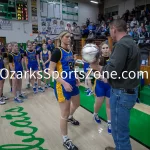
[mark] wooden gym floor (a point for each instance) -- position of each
(43, 112)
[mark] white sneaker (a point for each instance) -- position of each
(2, 102)
(109, 128)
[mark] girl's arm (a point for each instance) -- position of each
(41, 57)
(12, 68)
(56, 77)
(5, 59)
(11, 65)
(49, 57)
(26, 62)
(38, 60)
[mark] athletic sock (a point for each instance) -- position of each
(95, 114)
(18, 93)
(65, 138)
(70, 116)
(109, 121)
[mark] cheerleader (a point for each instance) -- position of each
(102, 88)
(66, 88)
(2, 76)
(45, 56)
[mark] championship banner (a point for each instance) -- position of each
(5, 24)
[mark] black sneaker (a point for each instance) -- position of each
(5, 98)
(74, 122)
(69, 145)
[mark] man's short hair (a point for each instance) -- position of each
(120, 24)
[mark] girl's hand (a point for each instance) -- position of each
(105, 80)
(67, 87)
(78, 82)
(44, 67)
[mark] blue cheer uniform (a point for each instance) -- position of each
(45, 57)
(2, 73)
(16, 59)
(102, 88)
(32, 60)
(64, 65)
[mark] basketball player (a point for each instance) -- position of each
(22, 53)
(102, 88)
(2, 77)
(45, 56)
(66, 90)
(31, 57)
(6, 64)
(9, 50)
(38, 50)
(15, 64)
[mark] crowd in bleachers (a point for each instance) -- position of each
(138, 25)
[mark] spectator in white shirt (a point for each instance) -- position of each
(134, 22)
(38, 39)
(68, 27)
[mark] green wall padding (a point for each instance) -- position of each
(24, 45)
(145, 95)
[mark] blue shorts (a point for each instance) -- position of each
(2, 75)
(102, 89)
(33, 67)
(61, 94)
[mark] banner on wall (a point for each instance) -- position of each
(44, 25)
(69, 10)
(34, 16)
(5, 24)
(52, 26)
